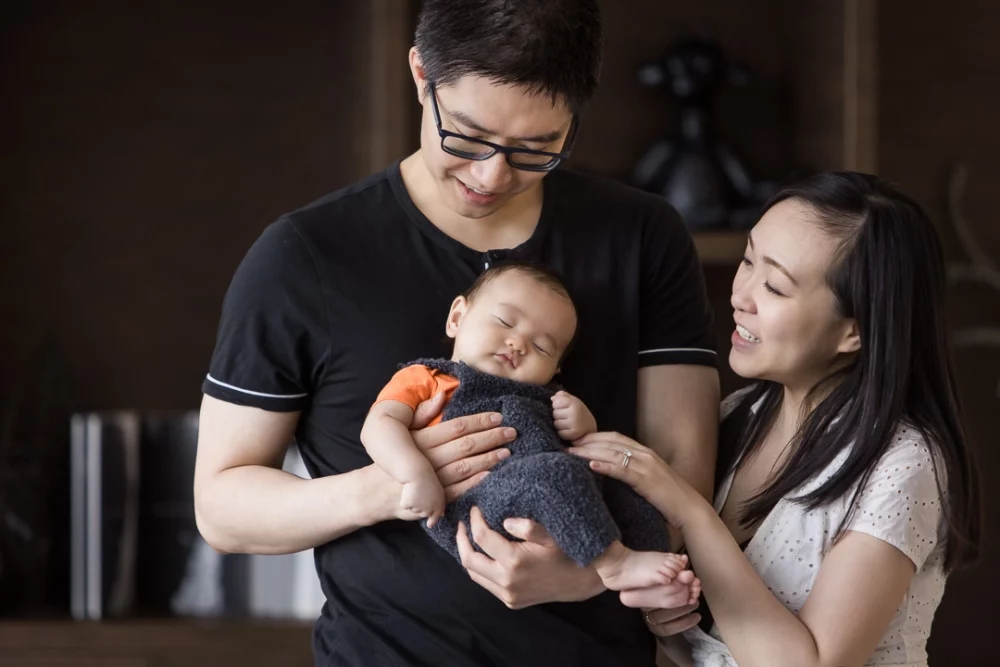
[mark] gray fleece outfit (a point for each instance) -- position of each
(582, 511)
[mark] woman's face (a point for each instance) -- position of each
(788, 328)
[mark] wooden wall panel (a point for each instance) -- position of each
(939, 64)
(145, 146)
(831, 56)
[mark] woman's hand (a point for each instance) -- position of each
(665, 612)
(645, 472)
(522, 574)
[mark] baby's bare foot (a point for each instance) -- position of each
(621, 568)
(695, 588)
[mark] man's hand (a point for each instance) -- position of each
(523, 574)
(669, 622)
(667, 610)
(571, 417)
(461, 450)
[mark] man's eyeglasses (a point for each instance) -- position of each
(471, 148)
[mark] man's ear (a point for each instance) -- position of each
(417, 70)
(458, 309)
(851, 342)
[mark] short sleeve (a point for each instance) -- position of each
(901, 503)
(675, 319)
(411, 385)
(273, 335)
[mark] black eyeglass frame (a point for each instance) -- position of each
(556, 158)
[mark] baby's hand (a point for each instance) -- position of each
(425, 498)
(571, 417)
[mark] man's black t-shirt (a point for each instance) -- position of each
(334, 296)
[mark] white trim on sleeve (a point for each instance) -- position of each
(253, 393)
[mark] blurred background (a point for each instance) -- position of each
(145, 145)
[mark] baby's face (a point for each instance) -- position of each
(515, 327)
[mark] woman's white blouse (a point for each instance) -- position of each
(900, 505)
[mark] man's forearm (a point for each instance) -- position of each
(694, 469)
(261, 510)
(678, 418)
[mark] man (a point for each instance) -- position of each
(333, 296)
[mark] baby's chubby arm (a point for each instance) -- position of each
(386, 437)
(571, 417)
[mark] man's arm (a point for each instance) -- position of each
(678, 418)
(245, 503)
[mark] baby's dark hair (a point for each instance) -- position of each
(537, 272)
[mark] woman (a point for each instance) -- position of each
(846, 492)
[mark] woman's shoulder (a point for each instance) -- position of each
(911, 449)
(731, 402)
(901, 502)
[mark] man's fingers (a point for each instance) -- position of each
(498, 592)
(528, 530)
(453, 491)
(659, 616)
(468, 446)
(464, 469)
(676, 626)
(473, 561)
(445, 432)
(495, 545)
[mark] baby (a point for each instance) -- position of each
(511, 330)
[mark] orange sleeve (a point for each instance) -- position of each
(411, 385)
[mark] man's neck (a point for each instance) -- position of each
(507, 227)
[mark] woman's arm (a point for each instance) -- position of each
(858, 589)
(860, 584)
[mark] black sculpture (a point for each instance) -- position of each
(695, 171)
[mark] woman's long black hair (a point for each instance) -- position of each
(889, 276)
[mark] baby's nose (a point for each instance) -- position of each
(516, 343)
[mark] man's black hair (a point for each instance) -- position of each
(550, 47)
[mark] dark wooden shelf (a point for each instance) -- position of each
(155, 643)
(720, 248)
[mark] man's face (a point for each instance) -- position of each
(502, 114)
